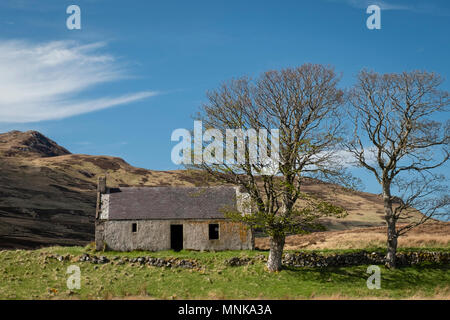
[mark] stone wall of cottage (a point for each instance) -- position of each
(154, 235)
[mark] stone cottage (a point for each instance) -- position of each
(163, 218)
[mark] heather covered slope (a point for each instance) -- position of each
(47, 194)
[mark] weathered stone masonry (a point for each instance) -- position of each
(141, 218)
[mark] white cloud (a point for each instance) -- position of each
(43, 81)
(347, 158)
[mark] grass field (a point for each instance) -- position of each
(32, 275)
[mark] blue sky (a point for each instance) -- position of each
(137, 70)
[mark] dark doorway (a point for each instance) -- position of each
(213, 231)
(176, 237)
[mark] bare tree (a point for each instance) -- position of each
(399, 138)
(304, 104)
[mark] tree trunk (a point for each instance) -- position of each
(391, 246)
(276, 253)
(391, 229)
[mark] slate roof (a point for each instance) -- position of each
(145, 203)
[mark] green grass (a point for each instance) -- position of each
(28, 275)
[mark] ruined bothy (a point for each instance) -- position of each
(164, 218)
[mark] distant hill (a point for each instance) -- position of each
(29, 144)
(47, 194)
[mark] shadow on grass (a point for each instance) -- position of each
(424, 275)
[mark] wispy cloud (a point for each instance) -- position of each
(44, 81)
(346, 158)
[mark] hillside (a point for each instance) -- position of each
(428, 235)
(47, 194)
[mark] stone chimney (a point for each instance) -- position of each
(101, 189)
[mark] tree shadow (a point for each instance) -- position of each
(399, 278)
